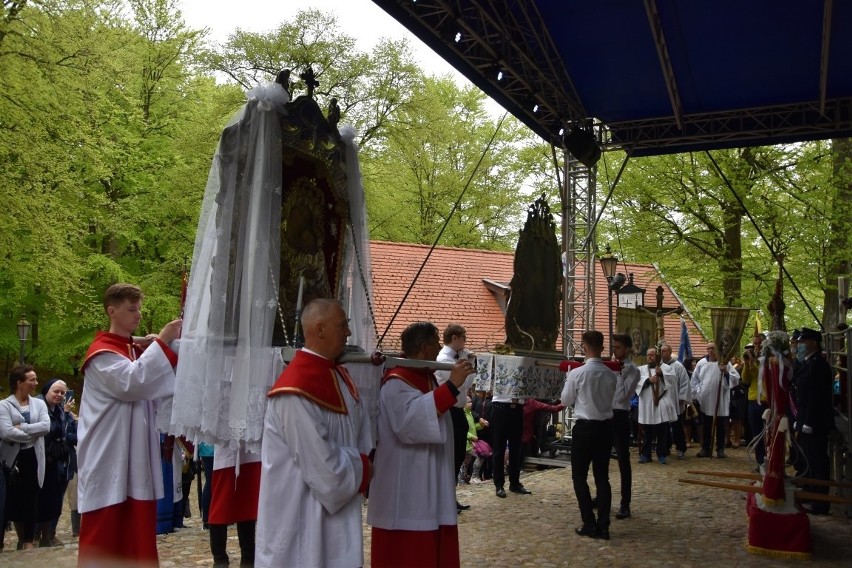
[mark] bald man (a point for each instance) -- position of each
(316, 443)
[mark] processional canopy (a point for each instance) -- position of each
(283, 221)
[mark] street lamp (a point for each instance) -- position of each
(631, 296)
(23, 332)
(609, 264)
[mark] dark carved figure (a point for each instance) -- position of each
(310, 80)
(532, 316)
(333, 113)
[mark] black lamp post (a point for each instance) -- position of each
(23, 333)
(609, 263)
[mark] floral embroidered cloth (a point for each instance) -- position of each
(517, 377)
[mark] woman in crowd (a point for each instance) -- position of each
(71, 491)
(24, 421)
(57, 453)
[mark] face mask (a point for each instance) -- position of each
(801, 348)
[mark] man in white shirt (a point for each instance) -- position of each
(628, 378)
(507, 429)
(656, 409)
(118, 448)
(590, 390)
(680, 396)
(455, 338)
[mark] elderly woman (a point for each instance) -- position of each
(56, 450)
(23, 423)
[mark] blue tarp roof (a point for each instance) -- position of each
(661, 75)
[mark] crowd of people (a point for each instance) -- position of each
(299, 501)
(38, 437)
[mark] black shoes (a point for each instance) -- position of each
(602, 533)
(623, 512)
(461, 507)
(702, 454)
(721, 454)
(501, 493)
(587, 530)
(519, 488)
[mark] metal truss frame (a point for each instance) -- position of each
(579, 197)
(753, 126)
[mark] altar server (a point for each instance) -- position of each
(412, 505)
(316, 442)
(118, 448)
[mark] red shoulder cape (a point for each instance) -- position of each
(313, 377)
(420, 379)
(106, 342)
(424, 381)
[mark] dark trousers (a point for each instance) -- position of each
(678, 438)
(815, 448)
(755, 421)
(707, 432)
(459, 437)
(621, 442)
(507, 425)
(2, 505)
(219, 539)
(658, 433)
(591, 442)
(207, 464)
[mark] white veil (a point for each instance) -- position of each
(227, 363)
(356, 292)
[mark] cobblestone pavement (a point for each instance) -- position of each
(673, 524)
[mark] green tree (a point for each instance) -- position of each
(419, 170)
(106, 136)
(369, 87)
(678, 212)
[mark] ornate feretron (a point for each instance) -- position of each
(314, 207)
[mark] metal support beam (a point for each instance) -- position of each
(823, 57)
(665, 60)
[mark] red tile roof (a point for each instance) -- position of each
(451, 289)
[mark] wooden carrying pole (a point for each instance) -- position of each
(758, 477)
(751, 488)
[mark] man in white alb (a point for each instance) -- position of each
(656, 409)
(316, 442)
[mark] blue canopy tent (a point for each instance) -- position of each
(662, 76)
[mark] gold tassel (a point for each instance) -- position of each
(782, 554)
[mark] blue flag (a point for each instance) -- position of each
(685, 349)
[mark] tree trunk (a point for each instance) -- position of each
(731, 263)
(838, 248)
